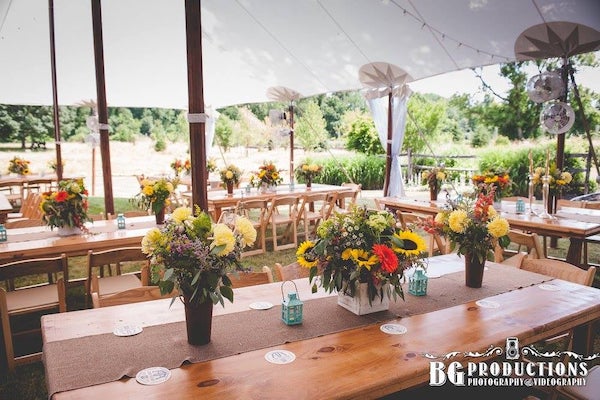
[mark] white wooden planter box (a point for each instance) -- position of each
(359, 304)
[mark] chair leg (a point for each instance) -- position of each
(7, 332)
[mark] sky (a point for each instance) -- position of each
(465, 81)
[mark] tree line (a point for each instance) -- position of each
(339, 119)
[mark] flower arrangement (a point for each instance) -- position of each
(211, 165)
(433, 177)
(18, 166)
(180, 166)
(267, 174)
(558, 181)
(472, 225)
(154, 194)
(53, 165)
(363, 246)
(193, 255)
(497, 179)
(308, 171)
(67, 206)
(231, 174)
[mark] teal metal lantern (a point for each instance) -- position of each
(291, 307)
(120, 221)
(417, 283)
(3, 235)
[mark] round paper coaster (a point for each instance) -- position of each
(261, 305)
(393, 329)
(487, 304)
(127, 330)
(280, 356)
(549, 286)
(153, 376)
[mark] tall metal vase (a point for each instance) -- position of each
(474, 270)
(198, 321)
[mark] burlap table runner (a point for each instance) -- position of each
(92, 360)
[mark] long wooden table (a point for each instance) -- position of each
(571, 225)
(219, 199)
(355, 363)
(42, 242)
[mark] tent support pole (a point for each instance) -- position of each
(193, 29)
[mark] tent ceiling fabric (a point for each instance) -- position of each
(313, 46)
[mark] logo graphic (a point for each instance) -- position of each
(512, 348)
(489, 370)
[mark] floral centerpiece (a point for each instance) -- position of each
(230, 176)
(18, 166)
(362, 247)
(308, 172)
(53, 165)
(155, 195)
(211, 165)
(473, 227)
(434, 178)
(499, 180)
(181, 166)
(558, 181)
(66, 207)
(267, 175)
(191, 256)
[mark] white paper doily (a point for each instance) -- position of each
(393, 329)
(280, 356)
(153, 376)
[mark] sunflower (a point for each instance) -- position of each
(304, 259)
(412, 243)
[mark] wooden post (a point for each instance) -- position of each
(388, 159)
(109, 206)
(291, 141)
(57, 136)
(193, 28)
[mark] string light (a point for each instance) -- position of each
(444, 36)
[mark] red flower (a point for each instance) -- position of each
(387, 258)
(61, 196)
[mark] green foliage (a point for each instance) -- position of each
(424, 124)
(335, 105)
(309, 130)
(160, 144)
(363, 136)
(223, 131)
(364, 169)
(502, 140)
(481, 136)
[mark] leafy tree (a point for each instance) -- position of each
(223, 131)
(310, 128)
(363, 136)
(334, 106)
(426, 113)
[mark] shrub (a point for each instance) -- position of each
(369, 171)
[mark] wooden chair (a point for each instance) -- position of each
(345, 200)
(256, 211)
(283, 211)
(529, 241)
(30, 299)
(243, 278)
(290, 271)
(560, 270)
(436, 243)
(23, 223)
(587, 392)
(30, 208)
(135, 295)
(314, 208)
(106, 285)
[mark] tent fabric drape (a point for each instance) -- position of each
(379, 111)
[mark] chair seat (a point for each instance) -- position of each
(115, 284)
(24, 300)
(590, 390)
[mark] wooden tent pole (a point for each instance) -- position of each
(388, 159)
(109, 206)
(55, 109)
(193, 28)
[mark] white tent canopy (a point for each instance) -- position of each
(313, 46)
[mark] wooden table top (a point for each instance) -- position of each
(364, 362)
(42, 242)
(565, 224)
